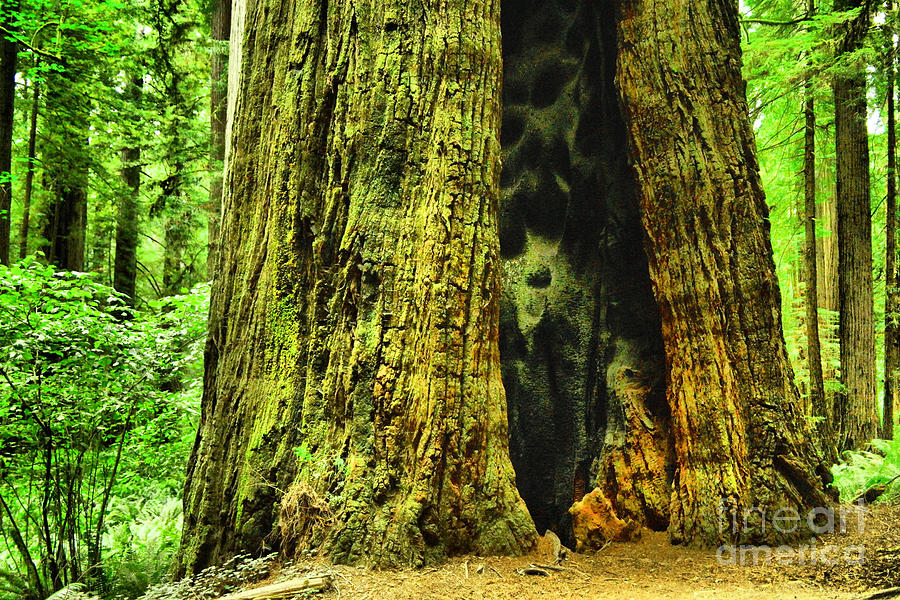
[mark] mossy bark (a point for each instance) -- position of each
(353, 355)
(740, 440)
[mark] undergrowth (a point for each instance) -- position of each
(862, 472)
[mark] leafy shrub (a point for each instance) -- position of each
(98, 407)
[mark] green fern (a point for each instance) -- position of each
(862, 471)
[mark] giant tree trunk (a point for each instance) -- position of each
(127, 219)
(855, 410)
(353, 353)
(220, 21)
(740, 441)
(8, 53)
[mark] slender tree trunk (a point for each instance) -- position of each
(65, 160)
(892, 295)
(855, 411)
(30, 168)
(353, 352)
(740, 439)
(127, 220)
(179, 218)
(218, 100)
(828, 252)
(817, 402)
(8, 52)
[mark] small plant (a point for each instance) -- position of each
(215, 581)
(871, 475)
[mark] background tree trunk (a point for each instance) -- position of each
(8, 53)
(220, 22)
(817, 400)
(30, 168)
(740, 440)
(353, 352)
(127, 219)
(892, 294)
(855, 410)
(65, 160)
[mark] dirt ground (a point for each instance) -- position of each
(837, 566)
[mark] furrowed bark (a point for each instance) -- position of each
(740, 442)
(353, 357)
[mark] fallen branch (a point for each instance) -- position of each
(285, 589)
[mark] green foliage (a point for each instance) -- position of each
(862, 471)
(98, 405)
(779, 61)
(142, 538)
(85, 56)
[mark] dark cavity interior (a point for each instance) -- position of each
(578, 319)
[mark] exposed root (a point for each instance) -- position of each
(304, 517)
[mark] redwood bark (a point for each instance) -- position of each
(855, 414)
(353, 354)
(740, 439)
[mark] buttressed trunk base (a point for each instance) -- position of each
(354, 358)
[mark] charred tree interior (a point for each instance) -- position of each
(580, 335)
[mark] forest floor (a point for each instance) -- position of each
(837, 566)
